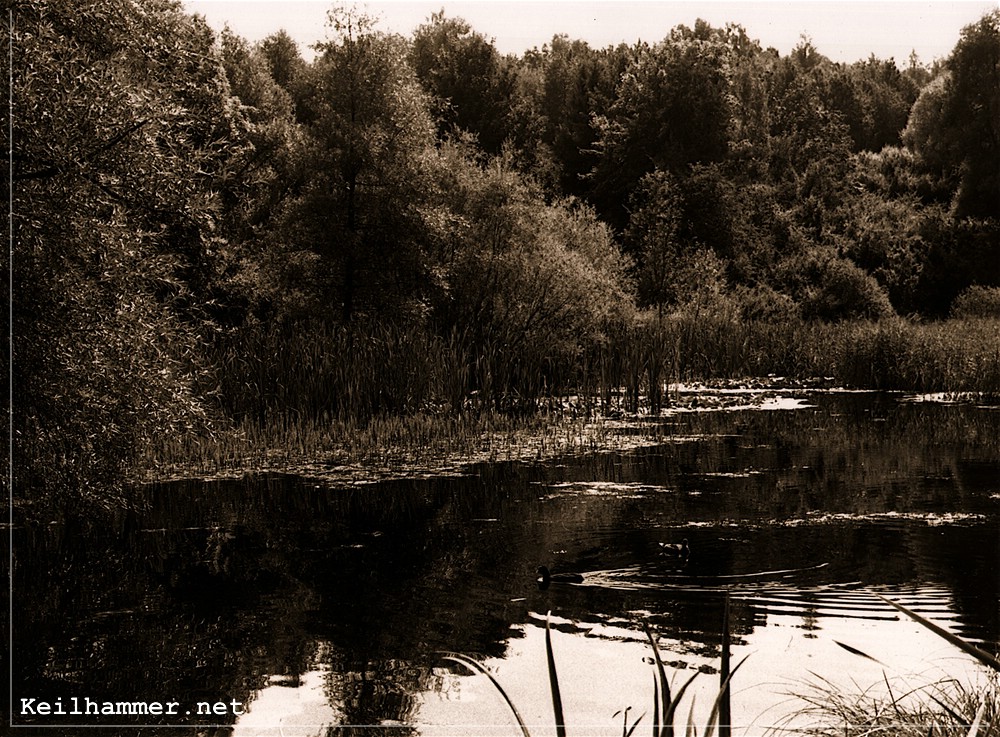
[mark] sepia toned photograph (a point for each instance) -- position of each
(502, 368)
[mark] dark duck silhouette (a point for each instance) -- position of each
(546, 577)
(678, 550)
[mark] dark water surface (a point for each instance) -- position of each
(314, 607)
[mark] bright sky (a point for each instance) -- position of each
(843, 30)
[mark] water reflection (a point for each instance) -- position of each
(317, 608)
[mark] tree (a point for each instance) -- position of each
(959, 253)
(672, 110)
(283, 59)
(749, 70)
(527, 285)
(123, 132)
(578, 86)
(929, 140)
(809, 144)
(954, 128)
(829, 287)
(473, 86)
(952, 141)
(882, 235)
(673, 265)
(653, 238)
(971, 113)
(351, 239)
(270, 170)
(874, 99)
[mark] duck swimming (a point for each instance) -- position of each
(681, 549)
(545, 577)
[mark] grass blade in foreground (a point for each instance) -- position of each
(656, 707)
(725, 710)
(974, 729)
(554, 682)
(668, 718)
(981, 655)
(691, 731)
(670, 704)
(626, 730)
(665, 700)
(948, 710)
(477, 668)
(723, 690)
(861, 653)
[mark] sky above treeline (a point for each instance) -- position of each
(844, 31)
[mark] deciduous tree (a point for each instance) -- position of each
(123, 132)
(351, 240)
(672, 110)
(473, 86)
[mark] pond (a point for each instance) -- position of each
(287, 605)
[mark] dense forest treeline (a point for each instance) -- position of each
(208, 232)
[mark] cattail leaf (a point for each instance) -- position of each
(714, 714)
(557, 708)
(478, 668)
(981, 655)
(665, 700)
(860, 653)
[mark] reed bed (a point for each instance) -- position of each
(327, 373)
(384, 445)
(374, 393)
(317, 370)
(952, 356)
